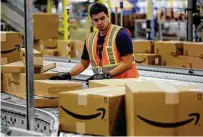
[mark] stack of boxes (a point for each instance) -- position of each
(144, 53)
(45, 31)
(131, 108)
(180, 54)
(169, 53)
(45, 26)
(13, 77)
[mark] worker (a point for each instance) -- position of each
(109, 50)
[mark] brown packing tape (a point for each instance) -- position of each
(171, 93)
(80, 127)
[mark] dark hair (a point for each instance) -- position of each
(97, 8)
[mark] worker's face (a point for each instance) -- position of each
(100, 21)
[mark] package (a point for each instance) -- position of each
(168, 48)
(50, 52)
(10, 47)
(14, 83)
(19, 67)
(147, 59)
(194, 49)
(42, 102)
(64, 48)
(143, 46)
(182, 61)
(77, 48)
(103, 107)
(52, 88)
(161, 109)
(37, 57)
(45, 26)
(50, 43)
(111, 82)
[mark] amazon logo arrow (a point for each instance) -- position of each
(195, 117)
(140, 61)
(86, 117)
(17, 47)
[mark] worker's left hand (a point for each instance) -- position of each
(98, 77)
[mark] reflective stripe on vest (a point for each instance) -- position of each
(110, 50)
(92, 60)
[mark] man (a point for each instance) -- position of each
(109, 50)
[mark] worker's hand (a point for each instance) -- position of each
(62, 76)
(99, 77)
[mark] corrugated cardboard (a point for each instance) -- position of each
(111, 82)
(10, 46)
(14, 83)
(52, 88)
(42, 102)
(194, 49)
(143, 46)
(162, 109)
(19, 67)
(95, 111)
(50, 43)
(182, 61)
(50, 52)
(37, 57)
(77, 48)
(190, 108)
(64, 48)
(168, 48)
(147, 59)
(45, 26)
(148, 100)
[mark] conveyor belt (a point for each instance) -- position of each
(152, 73)
(187, 75)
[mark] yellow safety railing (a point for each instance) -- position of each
(66, 32)
(49, 5)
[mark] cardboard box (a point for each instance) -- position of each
(182, 61)
(161, 109)
(45, 26)
(50, 52)
(143, 46)
(41, 102)
(95, 111)
(64, 47)
(190, 111)
(37, 57)
(19, 67)
(50, 43)
(10, 46)
(111, 82)
(147, 59)
(168, 48)
(52, 88)
(15, 83)
(77, 48)
(194, 49)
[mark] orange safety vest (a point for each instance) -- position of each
(110, 55)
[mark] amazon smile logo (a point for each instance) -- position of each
(194, 116)
(142, 61)
(17, 47)
(86, 117)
